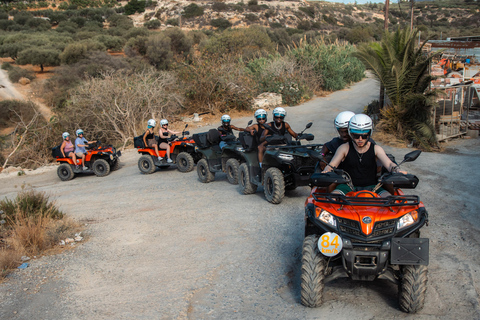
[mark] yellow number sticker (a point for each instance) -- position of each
(330, 244)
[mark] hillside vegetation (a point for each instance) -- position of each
(183, 57)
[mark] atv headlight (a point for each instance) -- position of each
(240, 149)
(111, 157)
(407, 220)
(286, 157)
(326, 217)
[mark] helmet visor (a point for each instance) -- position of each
(261, 117)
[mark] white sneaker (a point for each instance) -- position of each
(169, 160)
(160, 158)
(85, 168)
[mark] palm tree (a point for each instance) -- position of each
(403, 70)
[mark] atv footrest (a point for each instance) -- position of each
(410, 251)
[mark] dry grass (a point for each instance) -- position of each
(33, 232)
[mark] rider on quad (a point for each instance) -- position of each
(341, 125)
(68, 149)
(149, 137)
(80, 144)
(257, 130)
(163, 134)
(226, 129)
(359, 158)
(281, 126)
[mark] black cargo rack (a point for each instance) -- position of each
(390, 201)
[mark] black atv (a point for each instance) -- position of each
(286, 164)
(215, 159)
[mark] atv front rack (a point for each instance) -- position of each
(293, 146)
(390, 201)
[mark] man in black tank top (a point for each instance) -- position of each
(277, 124)
(257, 130)
(359, 157)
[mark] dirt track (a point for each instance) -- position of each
(165, 246)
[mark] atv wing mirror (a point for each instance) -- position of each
(249, 123)
(186, 125)
(411, 156)
(308, 125)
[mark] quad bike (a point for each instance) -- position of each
(284, 166)
(100, 159)
(365, 237)
(215, 159)
(182, 153)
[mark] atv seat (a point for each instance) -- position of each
(201, 140)
(213, 137)
(248, 142)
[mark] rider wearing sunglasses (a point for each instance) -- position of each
(227, 129)
(279, 125)
(359, 158)
(257, 130)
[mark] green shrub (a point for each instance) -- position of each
(248, 42)
(152, 24)
(7, 66)
(172, 22)
(31, 204)
(134, 6)
(216, 82)
(220, 23)
(192, 10)
(15, 73)
(333, 63)
(251, 17)
(309, 11)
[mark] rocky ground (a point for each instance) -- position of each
(165, 246)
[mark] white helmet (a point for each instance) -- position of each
(152, 123)
(360, 124)
(79, 132)
(342, 119)
(226, 118)
(279, 112)
(163, 121)
(260, 113)
(65, 135)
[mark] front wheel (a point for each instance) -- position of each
(412, 288)
(146, 165)
(203, 172)
(101, 167)
(231, 168)
(115, 165)
(312, 280)
(184, 162)
(274, 185)
(65, 172)
(246, 187)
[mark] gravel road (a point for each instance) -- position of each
(165, 246)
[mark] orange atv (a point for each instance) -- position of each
(182, 153)
(100, 159)
(365, 237)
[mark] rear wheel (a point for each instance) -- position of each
(246, 187)
(145, 164)
(203, 172)
(184, 162)
(231, 168)
(101, 167)
(312, 279)
(412, 288)
(65, 172)
(274, 185)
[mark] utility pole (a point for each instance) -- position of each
(381, 100)
(412, 3)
